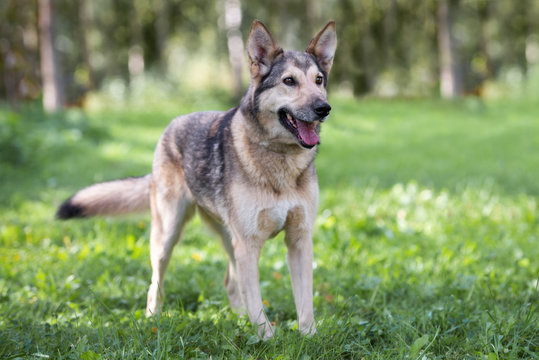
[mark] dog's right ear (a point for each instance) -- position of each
(262, 50)
(323, 46)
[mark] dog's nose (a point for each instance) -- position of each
(322, 109)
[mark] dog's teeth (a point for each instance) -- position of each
(291, 120)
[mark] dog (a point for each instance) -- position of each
(248, 171)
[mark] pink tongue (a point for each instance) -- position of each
(307, 132)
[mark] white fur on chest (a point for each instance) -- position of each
(272, 220)
(263, 215)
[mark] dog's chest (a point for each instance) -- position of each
(271, 220)
(262, 216)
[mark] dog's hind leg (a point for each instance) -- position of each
(232, 287)
(171, 209)
(231, 277)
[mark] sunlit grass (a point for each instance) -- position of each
(425, 244)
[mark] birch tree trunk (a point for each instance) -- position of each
(135, 61)
(450, 76)
(51, 75)
(234, 42)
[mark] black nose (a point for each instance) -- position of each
(322, 109)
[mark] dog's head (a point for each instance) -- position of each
(288, 88)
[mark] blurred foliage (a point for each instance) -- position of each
(26, 133)
(19, 50)
(386, 47)
(31, 142)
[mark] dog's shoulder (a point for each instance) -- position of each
(197, 130)
(201, 140)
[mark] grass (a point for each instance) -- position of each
(426, 243)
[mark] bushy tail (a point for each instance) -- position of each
(108, 198)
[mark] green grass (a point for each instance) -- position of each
(426, 243)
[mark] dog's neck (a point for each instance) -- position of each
(274, 164)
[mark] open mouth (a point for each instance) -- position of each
(305, 132)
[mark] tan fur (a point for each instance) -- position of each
(266, 163)
(115, 197)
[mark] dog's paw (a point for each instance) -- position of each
(265, 331)
(268, 335)
(307, 329)
(154, 302)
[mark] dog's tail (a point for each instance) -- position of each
(108, 198)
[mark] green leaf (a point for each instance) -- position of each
(253, 340)
(417, 345)
(90, 355)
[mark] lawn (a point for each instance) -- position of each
(426, 243)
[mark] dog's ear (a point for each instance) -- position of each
(262, 50)
(323, 46)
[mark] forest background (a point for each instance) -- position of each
(387, 48)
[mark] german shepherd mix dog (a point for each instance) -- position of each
(248, 171)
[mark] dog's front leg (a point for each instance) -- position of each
(300, 262)
(246, 254)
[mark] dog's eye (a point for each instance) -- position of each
(289, 81)
(319, 80)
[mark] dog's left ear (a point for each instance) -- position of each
(323, 46)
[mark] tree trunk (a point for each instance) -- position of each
(234, 42)
(312, 14)
(390, 25)
(450, 75)
(135, 61)
(162, 28)
(485, 10)
(368, 48)
(51, 75)
(85, 29)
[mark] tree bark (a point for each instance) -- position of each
(312, 14)
(135, 61)
(162, 28)
(234, 42)
(85, 29)
(368, 48)
(51, 75)
(450, 73)
(390, 25)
